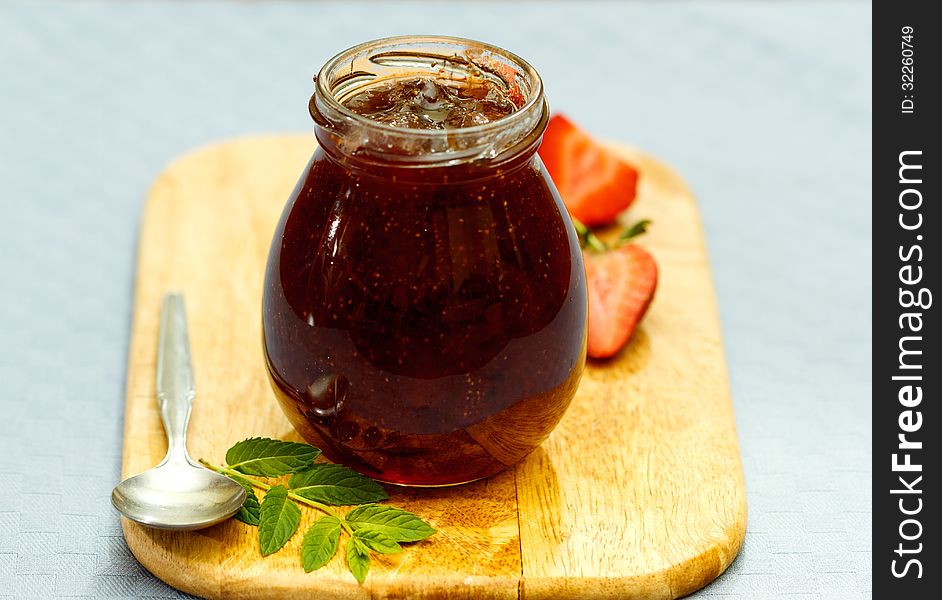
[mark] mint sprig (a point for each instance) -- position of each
(369, 527)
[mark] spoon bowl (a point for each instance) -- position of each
(178, 496)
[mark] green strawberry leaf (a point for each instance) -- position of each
(336, 485)
(320, 543)
(587, 239)
(398, 524)
(279, 519)
(635, 230)
(270, 458)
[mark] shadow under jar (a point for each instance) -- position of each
(425, 300)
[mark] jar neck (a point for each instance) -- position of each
(360, 142)
(481, 164)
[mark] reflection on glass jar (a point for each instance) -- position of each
(425, 300)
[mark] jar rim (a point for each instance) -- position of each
(459, 143)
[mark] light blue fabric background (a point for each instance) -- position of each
(765, 108)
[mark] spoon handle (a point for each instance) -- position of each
(175, 385)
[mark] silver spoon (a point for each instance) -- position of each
(177, 493)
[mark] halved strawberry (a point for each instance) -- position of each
(621, 281)
(593, 181)
(621, 285)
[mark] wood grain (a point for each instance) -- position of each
(638, 493)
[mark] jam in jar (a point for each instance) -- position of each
(425, 301)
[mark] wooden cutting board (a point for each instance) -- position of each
(637, 494)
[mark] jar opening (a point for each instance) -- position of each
(348, 133)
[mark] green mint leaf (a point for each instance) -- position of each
(337, 485)
(635, 230)
(320, 543)
(270, 458)
(250, 511)
(358, 559)
(278, 520)
(243, 481)
(377, 540)
(398, 524)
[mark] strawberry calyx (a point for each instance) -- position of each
(592, 242)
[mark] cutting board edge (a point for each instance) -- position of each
(675, 582)
(206, 580)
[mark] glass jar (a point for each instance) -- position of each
(425, 301)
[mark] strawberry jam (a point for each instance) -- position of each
(425, 301)
(429, 103)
